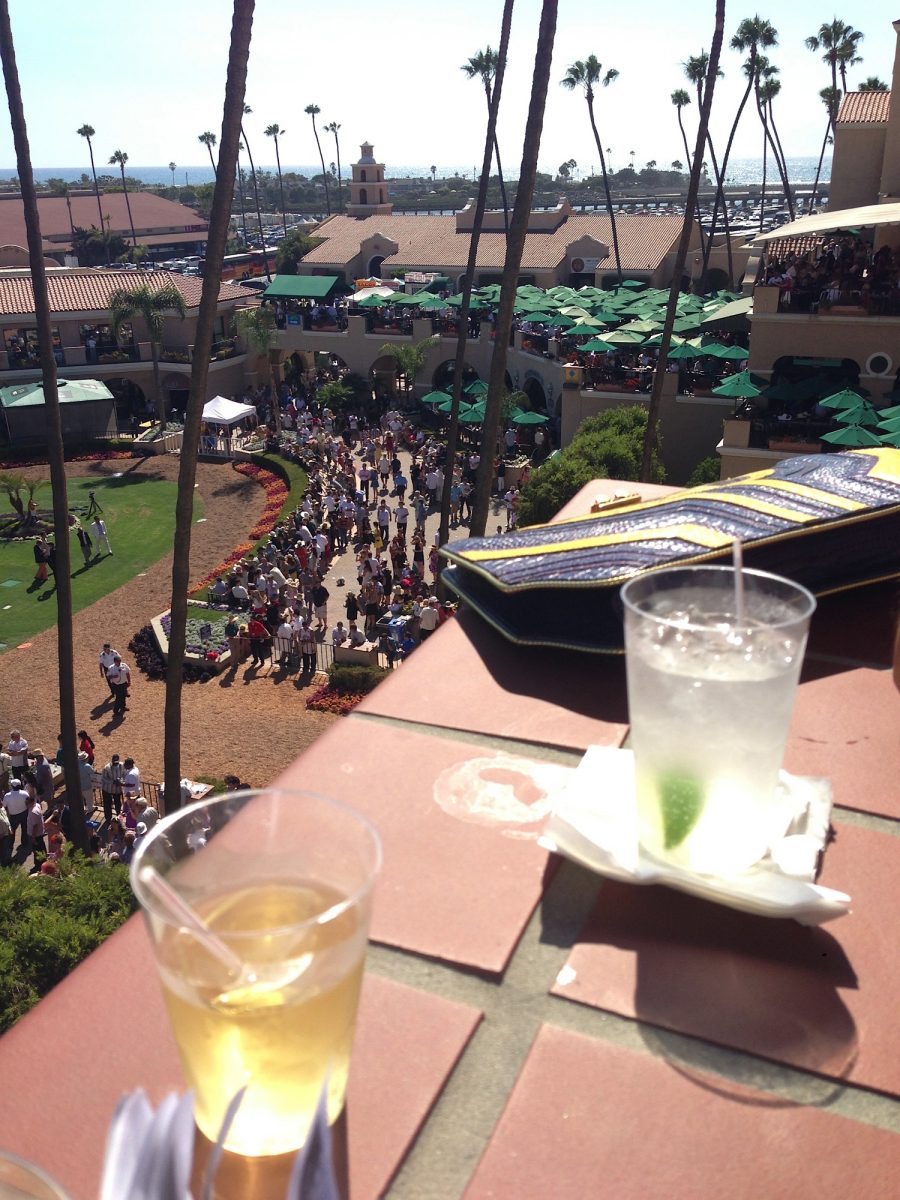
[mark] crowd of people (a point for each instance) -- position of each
(843, 270)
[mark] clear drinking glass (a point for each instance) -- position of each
(284, 880)
(21, 1180)
(710, 694)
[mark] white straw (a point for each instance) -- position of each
(181, 911)
(737, 554)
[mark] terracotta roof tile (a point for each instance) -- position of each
(151, 213)
(82, 289)
(864, 108)
(431, 241)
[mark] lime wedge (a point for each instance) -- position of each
(681, 803)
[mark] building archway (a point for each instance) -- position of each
(363, 196)
(534, 390)
(717, 280)
(383, 375)
(442, 380)
(374, 268)
(131, 400)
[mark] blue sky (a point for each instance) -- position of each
(150, 77)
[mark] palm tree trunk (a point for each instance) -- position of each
(157, 388)
(650, 437)
(96, 185)
(720, 178)
(337, 150)
(469, 280)
(219, 221)
(55, 450)
(281, 188)
(514, 247)
(780, 154)
(609, 203)
(262, 236)
(240, 179)
(762, 192)
(487, 93)
(128, 206)
(768, 139)
(324, 172)
(687, 159)
(726, 218)
(815, 187)
(212, 162)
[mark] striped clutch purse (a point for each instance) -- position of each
(828, 521)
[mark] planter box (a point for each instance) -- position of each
(790, 446)
(735, 433)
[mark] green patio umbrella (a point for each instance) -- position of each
(624, 338)
(435, 398)
(561, 321)
(471, 414)
(633, 285)
(890, 439)
(598, 346)
(842, 399)
(863, 414)
(645, 326)
(373, 301)
(605, 315)
(851, 435)
(454, 301)
(528, 418)
(543, 318)
(477, 387)
(894, 411)
(714, 349)
(685, 351)
(803, 389)
(653, 343)
(889, 424)
(733, 353)
(583, 329)
(738, 387)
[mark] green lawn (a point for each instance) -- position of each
(140, 519)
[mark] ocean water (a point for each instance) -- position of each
(741, 172)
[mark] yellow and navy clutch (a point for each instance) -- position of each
(828, 521)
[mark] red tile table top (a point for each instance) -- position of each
(485, 684)
(587, 1118)
(458, 824)
(89, 1024)
(846, 727)
(823, 1000)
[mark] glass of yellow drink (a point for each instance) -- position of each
(283, 881)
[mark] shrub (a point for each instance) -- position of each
(352, 677)
(708, 470)
(51, 923)
(608, 446)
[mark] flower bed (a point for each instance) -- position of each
(326, 699)
(212, 654)
(276, 494)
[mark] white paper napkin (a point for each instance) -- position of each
(594, 822)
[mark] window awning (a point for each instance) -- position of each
(78, 391)
(302, 287)
(868, 217)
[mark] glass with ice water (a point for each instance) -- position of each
(283, 880)
(710, 695)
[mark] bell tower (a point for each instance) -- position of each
(368, 190)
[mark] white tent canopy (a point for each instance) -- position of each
(220, 411)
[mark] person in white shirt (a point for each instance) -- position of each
(356, 635)
(338, 635)
(428, 620)
(131, 780)
(240, 597)
(107, 658)
(119, 676)
(17, 802)
(219, 589)
(98, 528)
(17, 749)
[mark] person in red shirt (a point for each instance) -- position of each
(259, 641)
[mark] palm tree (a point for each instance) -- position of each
(469, 278)
(680, 99)
(650, 435)
(838, 42)
(334, 128)
(312, 111)
(55, 449)
(262, 237)
(240, 181)
(766, 88)
(172, 167)
(119, 158)
(259, 328)
(585, 75)
(87, 132)
(209, 140)
(433, 170)
(219, 222)
(515, 244)
(483, 66)
(831, 98)
(151, 305)
(275, 132)
(874, 84)
(409, 359)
